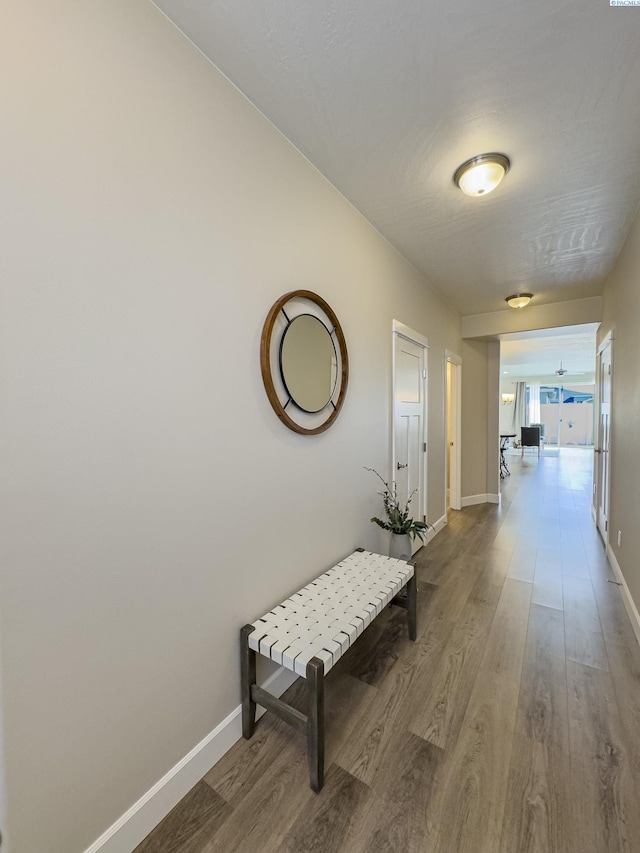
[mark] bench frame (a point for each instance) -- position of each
(311, 723)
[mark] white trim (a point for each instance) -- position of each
(456, 363)
(432, 532)
(607, 341)
(399, 329)
(136, 823)
(472, 500)
(144, 815)
(435, 528)
(440, 524)
(608, 338)
(629, 603)
(408, 333)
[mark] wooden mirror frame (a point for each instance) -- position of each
(266, 346)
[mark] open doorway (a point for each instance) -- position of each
(547, 378)
(567, 414)
(453, 386)
(603, 432)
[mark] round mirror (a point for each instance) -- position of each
(304, 362)
(308, 362)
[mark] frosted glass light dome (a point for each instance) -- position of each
(481, 175)
(519, 300)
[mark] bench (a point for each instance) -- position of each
(310, 631)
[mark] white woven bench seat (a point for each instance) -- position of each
(325, 617)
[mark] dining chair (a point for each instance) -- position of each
(529, 437)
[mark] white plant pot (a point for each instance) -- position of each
(400, 546)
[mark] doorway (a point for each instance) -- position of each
(453, 398)
(601, 450)
(409, 406)
(566, 414)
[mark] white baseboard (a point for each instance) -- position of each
(429, 534)
(435, 528)
(136, 823)
(440, 523)
(472, 500)
(629, 603)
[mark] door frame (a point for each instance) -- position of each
(455, 405)
(597, 468)
(399, 329)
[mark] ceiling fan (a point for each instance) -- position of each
(562, 370)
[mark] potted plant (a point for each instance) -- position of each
(398, 521)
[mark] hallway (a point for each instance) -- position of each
(511, 725)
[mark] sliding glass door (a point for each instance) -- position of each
(567, 414)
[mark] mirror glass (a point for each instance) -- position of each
(308, 362)
(304, 362)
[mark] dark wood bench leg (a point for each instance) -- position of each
(412, 606)
(315, 723)
(248, 679)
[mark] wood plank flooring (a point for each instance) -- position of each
(512, 724)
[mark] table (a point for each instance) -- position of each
(504, 443)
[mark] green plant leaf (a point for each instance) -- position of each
(398, 514)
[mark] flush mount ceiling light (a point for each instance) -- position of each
(519, 300)
(482, 174)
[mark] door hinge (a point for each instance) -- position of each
(609, 370)
(606, 525)
(424, 372)
(424, 518)
(424, 447)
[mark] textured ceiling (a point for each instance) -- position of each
(535, 356)
(388, 97)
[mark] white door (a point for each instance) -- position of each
(602, 447)
(453, 401)
(409, 422)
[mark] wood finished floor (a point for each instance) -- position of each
(511, 725)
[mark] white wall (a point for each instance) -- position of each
(3, 789)
(152, 502)
(549, 316)
(621, 315)
(505, 417)
(475, 429)
(493, 418)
